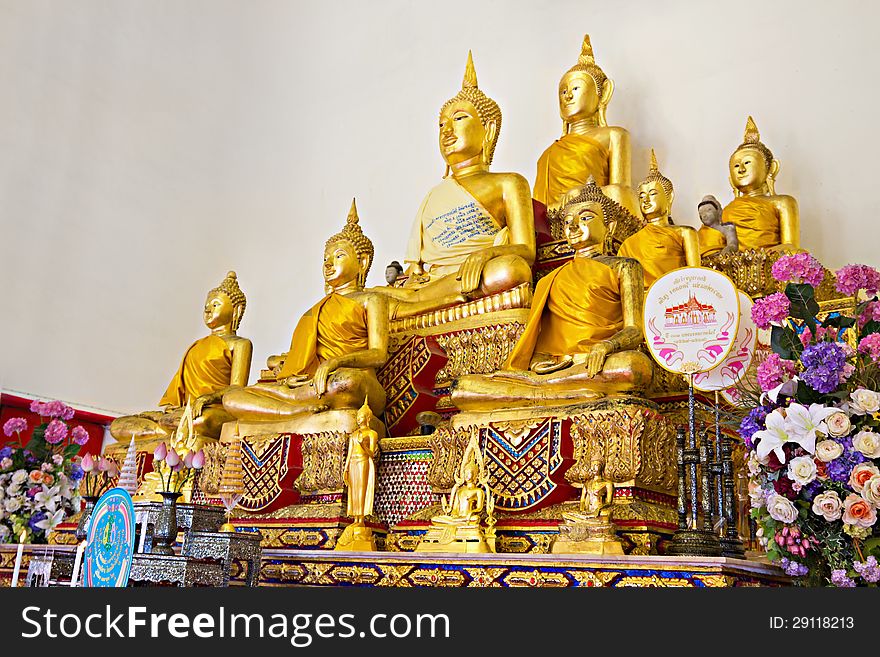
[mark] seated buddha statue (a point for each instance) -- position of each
(588, 146)
(474, 234)
(715, 235)
(336, 346)
(763, 218)
(660, 246)
(218, 362)
(585, 326)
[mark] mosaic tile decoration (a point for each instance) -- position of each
(402, 486)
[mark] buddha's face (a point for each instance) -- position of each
(710, 214)
(341, 264)
(578, 98)
(470, 473)
(462, 135)
(391, 274)
(748, 169)
(584, 224)
(363, 417)
(218, 310)
(653, 200)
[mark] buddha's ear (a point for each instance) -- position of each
(774, 169)
(365, 262)
(670, 198)
(237, 314)
(607, 92)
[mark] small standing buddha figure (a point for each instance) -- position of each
(474, 234)
(336, 347)
(588, 146)
(763, 218)
(660, 246)
(359, 475)
(585, 326)
(216, 363)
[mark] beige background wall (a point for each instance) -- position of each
(148, 146)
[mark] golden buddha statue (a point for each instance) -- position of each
(474, 234)
(660, 246)
(763, 219)
(336, 346)
(588, 146)
(359, 475)
(584, 329)
(715, 235)
(212, 365)
(460, 527)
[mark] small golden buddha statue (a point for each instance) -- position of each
(460, 527)
(588, 146)
(585, 326)
(336, 347)
(474, 234)
(715, 235)
(763, 218)
(359, 476)
(212, 365)
(660, 246)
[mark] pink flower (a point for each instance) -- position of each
(173, 458)
(39, 407)
(88, 463)
(112, 468)
(103, 464)
(160, 452)
(871, 313)
(775, 371)
(852, 278)
(199, 460)
(55, 432)
(188, 460)
(771, 309)
(59, 409)
(806, 336)
(6, 463)
(79, 435)
(14, 425)
(870, 345)
(798, 268)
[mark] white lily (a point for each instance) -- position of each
(48, 497)
(804, 423)
(51, 521)
(773, 437)
(787, 388)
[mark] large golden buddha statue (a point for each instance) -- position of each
(584, 329)
(660, 246)
(336, 346)
(474, 234)
(213, 364)
(763, 218)
(588, 146)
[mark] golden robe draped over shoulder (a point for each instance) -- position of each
(333, 327)
(206, 367)
(574, 307)
(711, 241)
(757, 222)
(361, 471)
(568, 163)
(660, 249)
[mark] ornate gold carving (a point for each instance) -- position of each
(717, 581)
(209, 477)
(405, 444)
(485, 577)
(448, 446)
(477, 351)
(587, 578)
(323, 456)
(652, 581)
(537, 578)
(437, 577)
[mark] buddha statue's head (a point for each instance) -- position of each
(584, 90)
(655, 194)
(596, 464)
(364, 415)
(470, 123)
(753, 168)
(347, 255)
(590, 218)
(225, 304)
(470, 472)
(710, 211)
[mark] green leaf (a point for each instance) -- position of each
(806, 395)
(871, 327)
(803, 301)
(785, 342)
(71, 450)
(839, 322)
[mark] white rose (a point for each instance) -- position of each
(828, 505)
(871, 491)
(754, 464)
(802, 470)
(865, 401)
(12, 504)
(781, 509)
(828, 450)
(19, 477)
(868, 443)
(756, 494)
(838, 424)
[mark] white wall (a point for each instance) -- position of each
(148, 146)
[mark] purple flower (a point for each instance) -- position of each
(824, 363)
(840, 468)
(753, 422)
(869, 345)
(5, 452)
(798, 268)
(793, 568)
(14, 425)
(32, 492)
(55, 432)
(839, 578)
(771, 309)
(869, 570)
(774, 371)
(852, 278)
(79, 435)
(76, 472)
(39, 407)
(37, 517)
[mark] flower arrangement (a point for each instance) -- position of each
(177, 469)
(98, 473)
(39, 482)
(814, 434)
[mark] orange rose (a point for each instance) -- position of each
(860, 475)
(37, 476)
(857, 511)
(48, 479)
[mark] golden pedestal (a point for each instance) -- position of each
(587, 536)
(464, 539)
(356, 538)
